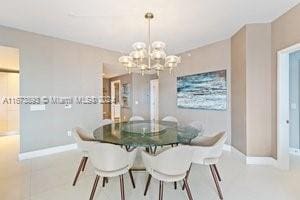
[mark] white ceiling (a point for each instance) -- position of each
(116, 24)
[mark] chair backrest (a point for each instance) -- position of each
(105, 122)
(213, 150)
(170, 119)
(136, 118)
(174, 161)
(83, 138)
(109, 157)
(197, 125)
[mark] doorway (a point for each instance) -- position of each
(154, 96)
(106, 106)
(9, 88)
(284, 105)
(115, 89)
(294, 66)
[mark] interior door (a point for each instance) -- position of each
(154, 96)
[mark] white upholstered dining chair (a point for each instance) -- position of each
(208, 152)
(84, 142)
(136, 118)
(170, 165)
(170, 119)
(111, 161)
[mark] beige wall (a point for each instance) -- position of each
(238, 91)
(285, 33)
(205, 59)
(250, 57)
(258, 65)
(54, 67)
(260, 43)
(46, 62)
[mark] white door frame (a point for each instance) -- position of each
(154, 100)
(283, 136)
(113, 105)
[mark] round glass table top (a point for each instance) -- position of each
(145, 133)
(144, 128)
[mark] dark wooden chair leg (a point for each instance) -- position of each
(154, 151)
(131, 178)
(94, 187)
(122, 187)
(147, 185)
(161, 190)
(188, 190)
(103, 181)
(175, 185)
(78, 171)
(151, 149)
(84, 164)
(127, 148)
(217, 172)
(216, 181)
(187, 176)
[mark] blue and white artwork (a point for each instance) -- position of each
(206, 91)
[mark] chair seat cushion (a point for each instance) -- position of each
(113, 173)
(202, 141)
(165, 177)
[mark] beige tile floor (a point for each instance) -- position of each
(50, 178)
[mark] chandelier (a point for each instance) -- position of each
(151, 57)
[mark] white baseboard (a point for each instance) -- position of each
(48, 151)
(295, 151)
(249, 160)
(260, 161)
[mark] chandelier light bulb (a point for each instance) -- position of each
(158, 45)
(158, 55)
(139, 46)
(125, 59)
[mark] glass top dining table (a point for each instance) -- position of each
(145, 133)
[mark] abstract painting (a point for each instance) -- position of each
(207, 91)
